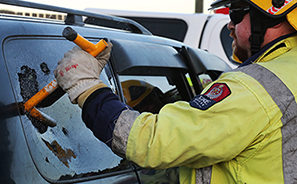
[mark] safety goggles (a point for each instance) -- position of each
(237, 14)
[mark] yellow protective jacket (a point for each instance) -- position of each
(247, 136)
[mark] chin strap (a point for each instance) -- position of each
(257, 30)
(259, 25)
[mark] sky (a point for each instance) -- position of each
(175, 6)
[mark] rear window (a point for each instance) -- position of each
(69, 150)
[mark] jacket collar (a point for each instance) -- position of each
(268, 49)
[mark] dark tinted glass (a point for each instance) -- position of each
(166, 27)
(226, 41)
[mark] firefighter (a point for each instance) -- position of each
(242, 128)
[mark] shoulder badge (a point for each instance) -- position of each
(216, 93)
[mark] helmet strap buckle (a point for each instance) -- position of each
(256, 39)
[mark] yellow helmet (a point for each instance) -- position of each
(263, 15)
(135, 91)
(274, 8)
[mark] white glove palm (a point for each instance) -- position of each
(78, 71)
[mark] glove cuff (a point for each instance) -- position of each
(80, 88)
(83, 97)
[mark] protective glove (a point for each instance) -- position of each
(79, 71)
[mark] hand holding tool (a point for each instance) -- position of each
(71, 35)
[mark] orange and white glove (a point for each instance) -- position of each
(79, 71)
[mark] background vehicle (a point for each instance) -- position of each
(68, 152)
(199, 30)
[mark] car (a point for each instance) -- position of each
(33, 151)
(199, 30)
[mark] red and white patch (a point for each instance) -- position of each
(218, 92)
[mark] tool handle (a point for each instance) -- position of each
(94, 49)
(29, 105)
(40, 95)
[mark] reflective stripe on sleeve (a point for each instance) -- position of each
(122, 130)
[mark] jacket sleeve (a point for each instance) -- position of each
(182, 135)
